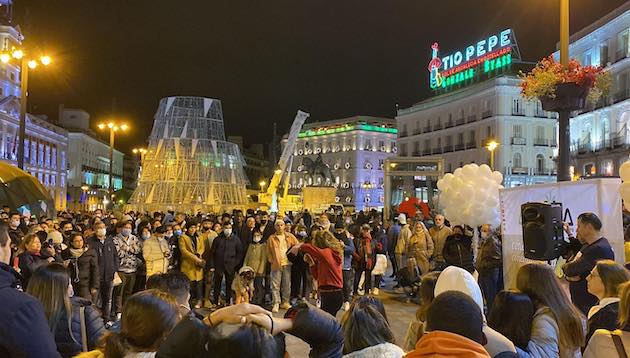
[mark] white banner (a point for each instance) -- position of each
(600, 196)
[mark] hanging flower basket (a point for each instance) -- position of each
(562, 88)
(568, 97)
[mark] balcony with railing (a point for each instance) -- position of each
(621, 53)
(544, 171)
(544, 142)
(518, 112)
(448, 148)
(518, 141)
(427, 129)
(459, 146)
(417, 131)
(460, 121)
(402, 134)
(519, 170)
(540, 113)
(471, 145)
(436, 150)
(621, 95)
(437, 127)
(416, 153)
(448, 124)
(486, 114)
(426, 151)
(620, 142)
(472, 118)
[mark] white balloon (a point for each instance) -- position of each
(440, 184)
(497, 177)
(458, 172)
(624, 171)
(485, 170)
(624, 190)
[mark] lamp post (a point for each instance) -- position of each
(262, 186)
(26, 64)
(85, 197)
(113, 128)
(564, 151)
(491, 146)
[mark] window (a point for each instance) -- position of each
(12, 76)
(489, 132)
(27, 145)
(540, 164)
(40, 159)
(622, 44)
(517, 162)
(427, 144)
(603, 54)
(540, 132)
(460, 138)
(517, 107)
(471, 137)
(439, 142)
(517, 131)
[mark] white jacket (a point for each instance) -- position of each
(383, 350)
(454, 278)
(156, 253)
(601, 344)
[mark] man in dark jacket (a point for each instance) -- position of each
(595, 248)
(107, 266)
(24, 330)
(489, 264)
(227, 253)
(458, 250)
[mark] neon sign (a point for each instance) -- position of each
(492, 53)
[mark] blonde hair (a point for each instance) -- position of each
(612, 275)
(325, 239)
(624, 305)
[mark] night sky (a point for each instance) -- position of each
(264, 59)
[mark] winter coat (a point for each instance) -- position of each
(93, 325)
(545, 339)
(156, 253)
(208, 238)
(28, 263)
(383, 350)
(256, 257)
(447, 344)
(362, 259)
(83, 272)
(454, 278)
(128, 249)
(273, 249)
(227, 253)
(603, 316)
(601, 344)
(106, 255)
(189, 251)
(392, 238)
(490, 255)
(458, 252)
(348, 249)
(319, 330)
(401, 248)
(24, 331)
(421, 248)
(439, 236)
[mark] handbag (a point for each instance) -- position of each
(621, 350)
(84, 344)
(117, 281)
(380, 266)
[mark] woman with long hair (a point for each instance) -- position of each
(603, 282)
(31, 257)
(82, 264)
(557, 327)
(613, 343)
(51, 285)
(417, 326)
(420, 247)
(327, 252)
(511, 315)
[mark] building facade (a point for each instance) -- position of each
(88, 163)
(600, 137)
(354, 149)
(45, 144)
(256, 165)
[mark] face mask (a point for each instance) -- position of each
(168, 235)
(146, 235)
(263, 221)
(67, 232)
(227, 232)
(15, 223)
(302, 233)
(485, 235)
(126, 232)
(257, 238)
(177, 232)
(101, 232)
(348, 221)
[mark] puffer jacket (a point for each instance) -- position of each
(318, 329)
(156, 253)
(421, 248)
(83, 272)
(545, 340)
(66, 345)
(28, 263)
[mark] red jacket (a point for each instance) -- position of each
(327, 266)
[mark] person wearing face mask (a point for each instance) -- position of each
(266, 226)
(15, 232)
(108, 260)
(82, 264)
(192, 249)
(227, 253)
(173, 242)
(128, 247)
(208, 237)
(156, 252)
(347, 271)
(489, 264)
(66, 230)
(301, 279)
(256, 258)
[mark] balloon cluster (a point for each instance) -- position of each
(471, 195)
(624, 173)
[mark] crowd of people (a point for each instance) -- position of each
(136, 284)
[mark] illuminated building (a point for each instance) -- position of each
(354, 149)
(477, 99)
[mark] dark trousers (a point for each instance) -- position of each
(126, 287)
(301, 282)
(105, 297)
(331, 301)
(218, 277)
(491, 283)
(259, 291)
(392, 258)
(367, 284)
(348, 284)
(196, 291)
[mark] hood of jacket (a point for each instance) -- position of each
(447, 344)
(9, 277)
(454, 278)
(383, 350)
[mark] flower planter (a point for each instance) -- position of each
(569, 97)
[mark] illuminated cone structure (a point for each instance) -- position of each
(189, 166)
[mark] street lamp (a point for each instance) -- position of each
(491, 146)
(26, 63)
(85, 196)
(262, 186)
(113, 127)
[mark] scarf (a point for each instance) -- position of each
(367, 250)
(76, 252)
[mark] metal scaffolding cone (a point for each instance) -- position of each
(189, 166)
